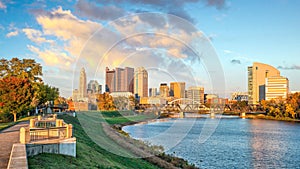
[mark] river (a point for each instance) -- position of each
(235, 142)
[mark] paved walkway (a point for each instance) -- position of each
(8, 137)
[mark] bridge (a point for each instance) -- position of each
(186, 105)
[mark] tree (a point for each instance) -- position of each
(15, 95)
(24, 69)
(105, 102)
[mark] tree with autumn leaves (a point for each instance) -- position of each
(21, 87)
(280, 108)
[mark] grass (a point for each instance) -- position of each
(9, 124)
(89, 152)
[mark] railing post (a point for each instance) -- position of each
(69, 130)
(39, 117)
(32, 123)
(24, 135)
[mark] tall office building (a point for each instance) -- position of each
(257, 75)
(277, 87)
(177, 89)
(119, 80)
(82, 84)
(152, 92)
(109, 80)
(141, 82)
(164, 90)
(196, 94)
(94, 87)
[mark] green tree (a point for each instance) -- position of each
(24, 69)
(15, 95)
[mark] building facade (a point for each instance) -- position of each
(82, 84)
(119, 79)
(141, 82)
(177, 89)
(196, 94)
(152, 92)
(239, 96)
(164, 90)
(94, 87)
(277, 87)
(257, 74)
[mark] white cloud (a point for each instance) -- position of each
(2, 5)
(13, 33)
(52, 57)
(36, 36)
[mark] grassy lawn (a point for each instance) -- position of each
(9, 124)
(116, 117)
(94, 151)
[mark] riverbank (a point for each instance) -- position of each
(153, 154)
(265, 117)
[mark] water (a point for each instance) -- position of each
(236, 143)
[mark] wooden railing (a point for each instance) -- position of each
(47, 133)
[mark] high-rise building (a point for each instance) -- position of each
(94, 87)
(277, 87)
(109, 80)
(141, 82)
(152, 92)
(177, 89)
(119, 80)
(196, 94)
(164, 90)
(257, 75)
(82, 84)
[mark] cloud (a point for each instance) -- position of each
(2, 5)
(13, 33)
(113, 8)
(36, 36)
(228, 51)
(52, 57)
(294, 67)
(91, 9)
(235, 61)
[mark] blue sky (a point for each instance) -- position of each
(64, 36)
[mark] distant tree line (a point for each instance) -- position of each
(279, 108)
(22, 88)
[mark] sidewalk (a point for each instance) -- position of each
(8, 137)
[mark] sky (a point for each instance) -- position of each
(206, 43)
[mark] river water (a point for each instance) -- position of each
(235, 142)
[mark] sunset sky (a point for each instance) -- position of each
(159, 35)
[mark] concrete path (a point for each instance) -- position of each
(8, 137)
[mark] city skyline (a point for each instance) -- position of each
(55, 33)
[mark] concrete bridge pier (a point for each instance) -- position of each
(243, 115)
(181, 115)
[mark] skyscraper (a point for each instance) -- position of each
(257, 75)
(164, 90)
(141, 82)
(82, 84)
(177, 89)
(196, 94)
(119, 80)
(277, 87)
(94, 87)
(109, 80)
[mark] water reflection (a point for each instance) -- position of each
(236, 143)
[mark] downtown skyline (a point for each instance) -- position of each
(54, 33)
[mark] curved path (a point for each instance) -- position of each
(8, 137)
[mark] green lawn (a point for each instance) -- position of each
(9, 124)
(94, 151)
